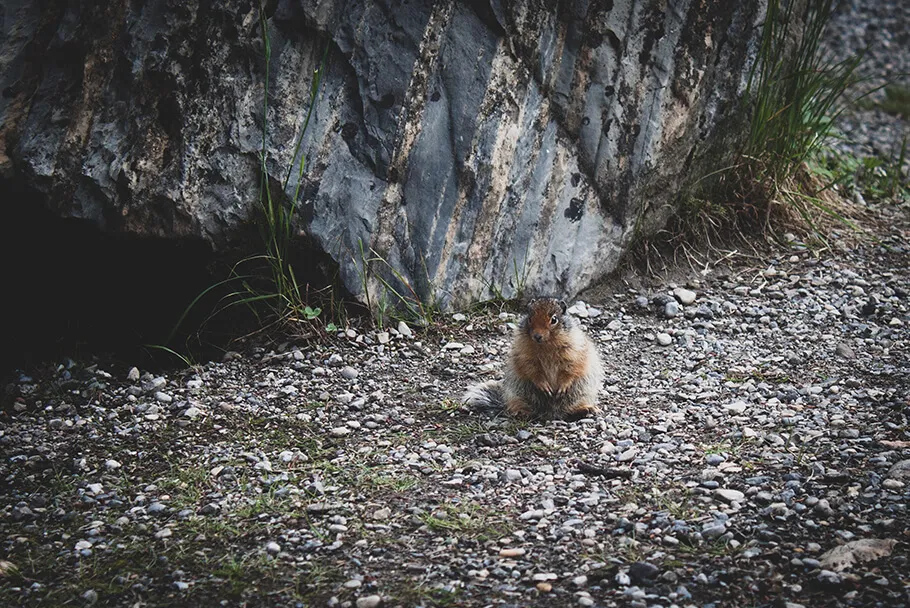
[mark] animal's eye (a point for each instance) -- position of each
(554, 320)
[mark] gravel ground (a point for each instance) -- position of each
(880, 29)
(746, 432)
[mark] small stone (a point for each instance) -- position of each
(111, 465)
(684, 296)
(133, 374)
(900, 470)
(163, 533)
(844, 351)
(369, 601)
(460, 318)
(714, 459)
(664, 339)
(453, 346)
(353, 584)
(383, 338)
(273, 548)
(829, 577)
(210, 509)
(404, 330)
(627, 455)
(892, 484)
(90, 597)
(671, 309)
(340, 431)
(737, 407)
(349, 372)
(714, 530)
(192, 412)
(516, 552)
(729, 495)
(642, 572)
(382, 514)
(544, 587)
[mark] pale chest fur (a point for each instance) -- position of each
(555, 363)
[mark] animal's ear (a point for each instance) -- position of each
(562, 304)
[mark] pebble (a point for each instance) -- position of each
(664, 339)
(844, 351)
(729, 495)
(369, 601)
(684, 296)
(382, 514)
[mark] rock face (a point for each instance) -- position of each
(475, 147)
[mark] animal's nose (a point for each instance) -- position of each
(538, 338)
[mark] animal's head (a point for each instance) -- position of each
(544, 317)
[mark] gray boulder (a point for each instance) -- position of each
(474, 147)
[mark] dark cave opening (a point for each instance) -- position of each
(73, 290)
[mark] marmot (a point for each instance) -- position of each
(553, 369)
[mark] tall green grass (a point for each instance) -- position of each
(794, 91)
(277, 226)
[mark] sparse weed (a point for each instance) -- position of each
(468, 519)
(389, 294)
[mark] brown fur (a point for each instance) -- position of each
(553, 370)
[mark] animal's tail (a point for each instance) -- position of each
(486, 395)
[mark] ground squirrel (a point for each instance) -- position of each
(553, 369)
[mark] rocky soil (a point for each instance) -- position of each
(880, 30)
(754, 420)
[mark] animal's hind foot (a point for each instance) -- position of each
(580, 411)
(518, 408)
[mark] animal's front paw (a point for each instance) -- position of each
(545, 387)
(562, 389)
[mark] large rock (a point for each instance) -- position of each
(476, 147)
